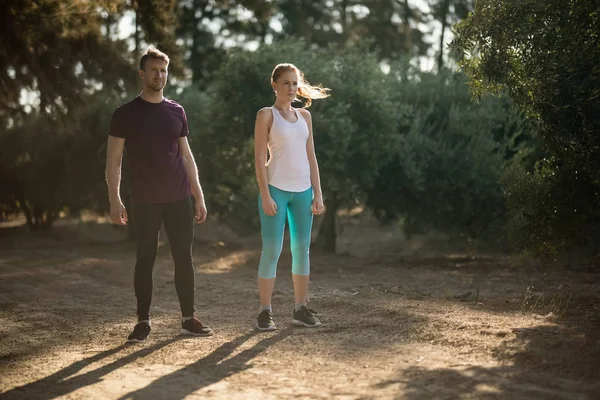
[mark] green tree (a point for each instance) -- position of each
(448, 13)
(58, 164)
(545, 55)
(55, 52)
(205, 27)
(392, 27)
(155, 23)
(395, 28)
(446, 169)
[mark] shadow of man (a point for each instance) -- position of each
(59, 383)
(208, 370)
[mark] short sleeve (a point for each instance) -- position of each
(185, 131)
(117, 125)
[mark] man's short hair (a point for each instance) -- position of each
(153, 52)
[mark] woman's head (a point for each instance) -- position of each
(288, 82)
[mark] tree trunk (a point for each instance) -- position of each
(444, 9)
(51, 216)
(407, 29)
(109, 26)
(195, 57)
(344, 18)
(27, 211)
(38, 218)
(327, 233)
(136, 32)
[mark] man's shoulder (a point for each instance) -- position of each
(173, 104)
(126, 107)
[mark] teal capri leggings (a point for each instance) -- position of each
(296, 207)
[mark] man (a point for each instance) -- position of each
(153, 130)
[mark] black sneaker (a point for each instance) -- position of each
(306, 317)
(194, 327)
(140, 333)
(264, 321)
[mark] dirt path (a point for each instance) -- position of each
(437, 327)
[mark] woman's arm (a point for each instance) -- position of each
(261, 138)
(315, 178)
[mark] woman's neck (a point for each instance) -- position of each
(282, 104)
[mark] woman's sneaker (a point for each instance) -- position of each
(306, 317)
(194, 327)
(264, 321)
(140, 333)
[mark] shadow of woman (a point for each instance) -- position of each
(208, 370)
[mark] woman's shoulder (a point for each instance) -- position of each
(304, 112)
(264, 115)
(264, 110)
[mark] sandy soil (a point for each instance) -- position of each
(400, 322)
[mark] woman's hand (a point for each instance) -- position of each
(317, 205)
(269, 206)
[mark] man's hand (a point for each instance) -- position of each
(118, 213)
(200, 212)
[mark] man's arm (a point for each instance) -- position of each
(192, 173)
(114, 157)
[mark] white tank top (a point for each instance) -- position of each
(288, 167)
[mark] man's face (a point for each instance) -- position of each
(155, 73)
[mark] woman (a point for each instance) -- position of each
(290, 189)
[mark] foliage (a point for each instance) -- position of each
(551, 208)
(56, 164)
(448, 13)
(446, 169)
(392, 27)
(206, 48)
(545, 54)
(57, 54)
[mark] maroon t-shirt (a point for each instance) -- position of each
(151, 132)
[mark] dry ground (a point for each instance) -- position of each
(398, 323)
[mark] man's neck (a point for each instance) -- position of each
(151, 96)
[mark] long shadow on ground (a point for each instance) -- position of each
(208, 370)
(61, 383)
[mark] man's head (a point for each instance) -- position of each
(154, 69)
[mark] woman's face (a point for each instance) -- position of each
(286, 86)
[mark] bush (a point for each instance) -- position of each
(544, 219)
(446, 170)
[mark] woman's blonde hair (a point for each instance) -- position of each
(305, 89)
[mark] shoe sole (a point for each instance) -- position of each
(271, 328)
(188, 333)
(300, 323)
(135, 340)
